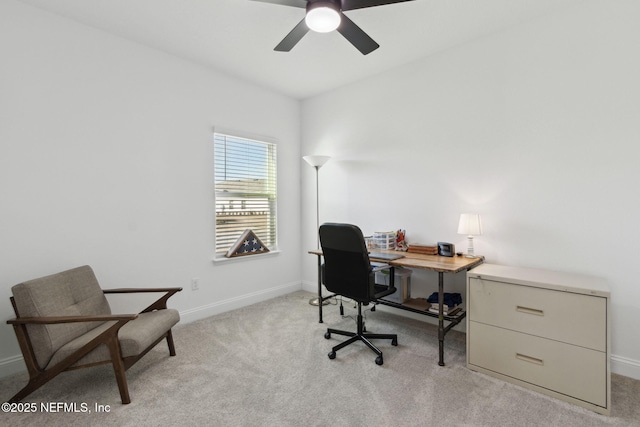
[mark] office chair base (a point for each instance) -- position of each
(365, 338)
(379, 360)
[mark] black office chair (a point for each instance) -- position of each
(348, 272)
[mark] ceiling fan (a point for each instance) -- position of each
(324, 16)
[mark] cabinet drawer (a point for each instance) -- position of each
(563, 316)
(567, 369)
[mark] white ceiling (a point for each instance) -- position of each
(238, 36)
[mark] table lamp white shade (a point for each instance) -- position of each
(316, 161)
(470, 225)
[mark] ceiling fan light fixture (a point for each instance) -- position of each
(322, 17)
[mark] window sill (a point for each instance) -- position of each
(220, 258)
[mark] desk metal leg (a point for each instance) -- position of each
(320, 301)
(441, 331)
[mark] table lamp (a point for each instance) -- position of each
(471, 226)
(317, 162)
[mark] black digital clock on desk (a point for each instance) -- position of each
(446, 249)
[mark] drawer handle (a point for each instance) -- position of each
(530, 359)
(529, 310)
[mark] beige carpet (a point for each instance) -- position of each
(267, 365)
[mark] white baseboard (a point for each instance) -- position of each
(208, 310)
(14, 364)
(311, 287)
(625, 366)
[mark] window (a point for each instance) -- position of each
(245, 187)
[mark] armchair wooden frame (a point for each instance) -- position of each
(38, 376)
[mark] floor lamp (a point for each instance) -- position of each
(317, 162)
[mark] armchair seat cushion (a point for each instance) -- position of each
(135, 337)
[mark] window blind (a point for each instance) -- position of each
(245, 190)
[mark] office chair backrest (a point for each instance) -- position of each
(347, 270)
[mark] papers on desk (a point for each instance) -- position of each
(385, 256)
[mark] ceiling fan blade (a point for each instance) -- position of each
(293, 3)
(360, 4)
(293, 37)
(356, 36)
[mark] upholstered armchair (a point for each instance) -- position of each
(64, 321)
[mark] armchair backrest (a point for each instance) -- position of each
(347, 270)
(74, 292)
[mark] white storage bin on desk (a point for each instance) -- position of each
(384, 240)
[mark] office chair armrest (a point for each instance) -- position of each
(376, 267)
(391, 288)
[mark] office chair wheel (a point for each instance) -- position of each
(379, 360)
(332, 355)
(327, 335)
(394, 342)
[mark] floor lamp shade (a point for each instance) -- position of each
(316, 161)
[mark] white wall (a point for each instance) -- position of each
(536, 128)
(106, 159)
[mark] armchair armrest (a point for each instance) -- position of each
(159, 304)
(38, 375)
(70, 319)
(136, 290)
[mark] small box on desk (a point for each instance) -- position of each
(402, 282)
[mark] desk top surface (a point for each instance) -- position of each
(427, 262)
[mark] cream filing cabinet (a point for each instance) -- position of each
(544, 330)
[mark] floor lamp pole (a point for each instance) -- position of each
(317, 162)
(317, 208)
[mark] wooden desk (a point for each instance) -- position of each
(436, 263)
